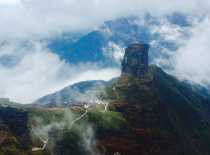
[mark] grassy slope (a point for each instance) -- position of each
(103, 123)
(188, 113)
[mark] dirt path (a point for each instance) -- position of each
(116, 93)
(106, 105)
(46, 141)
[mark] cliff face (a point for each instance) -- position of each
(15, 118)
(135, 61)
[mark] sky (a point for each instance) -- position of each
(35, 71)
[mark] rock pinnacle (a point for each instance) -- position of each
(135, 60)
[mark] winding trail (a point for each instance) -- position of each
(46, 141)
(116, 93)
(106, 105)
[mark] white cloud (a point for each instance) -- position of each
(47, 18)
(170, 33)
(34, 71)
(39, 72)
(191, 59)
(9, 1)
(114, 51)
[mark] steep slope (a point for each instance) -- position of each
(177, 109)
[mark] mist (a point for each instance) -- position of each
(29, 70)
(63, 126)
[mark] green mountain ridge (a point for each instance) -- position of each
(72, 92)
(149, 113)
(160, 106)
(179, 110)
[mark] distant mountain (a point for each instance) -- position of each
(84, 90)
(90, 47)
(122, 32)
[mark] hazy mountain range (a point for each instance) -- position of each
(106, 45)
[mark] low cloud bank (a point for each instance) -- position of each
(28, 70)
(35, 72)
(190, 58)
(114, 51)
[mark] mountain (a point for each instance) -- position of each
(179, 110)
(161, 105)
(149, 112)
(90, 47)
(162, 114)
(94, 46)
(75, 92)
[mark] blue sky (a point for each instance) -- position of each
(26, 24)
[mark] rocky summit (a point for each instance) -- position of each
(135, 61)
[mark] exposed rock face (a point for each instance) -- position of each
(15, 118)
(135, 61)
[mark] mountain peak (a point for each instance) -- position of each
(135, 60)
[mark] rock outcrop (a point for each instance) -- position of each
(15, 118)
(135, 61)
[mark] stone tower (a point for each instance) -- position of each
(135, 61)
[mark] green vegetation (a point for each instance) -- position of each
(95, 125)
(109, 92)
(156, 116)
(9, 103)
(179, 110)
(49, 116)
(101, 124)
(11, 146)
(106, 123)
